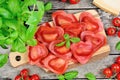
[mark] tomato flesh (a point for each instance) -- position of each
(62, 50)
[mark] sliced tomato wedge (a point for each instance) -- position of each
(36, 53)
(82, 51)
(55, 64)
(61, 18)
(61, 52)
(91, 23)
(98, 40)
(47, 34)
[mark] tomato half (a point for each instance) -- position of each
(61, 52)
(61, 18)
(98, 40)
(47, 34)
(36, 53)
(82, 51)
(55, 64)
(91, 23)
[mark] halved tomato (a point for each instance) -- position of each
(82, 51)
(61, 52)
(91, 23)
(55, 64)
(47, 34)
(61, 18)
(36, 53)
(98, 40)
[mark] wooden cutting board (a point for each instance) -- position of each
(101, 53)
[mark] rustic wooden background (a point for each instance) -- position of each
(94, 67)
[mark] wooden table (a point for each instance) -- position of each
(94, 67)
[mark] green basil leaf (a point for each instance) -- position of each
(11, 24)
(1, 22)
(30, 32)
(90, 76)
(3, 59)
(66, 36)
(68, 43)
(14, 35)
(60, 44)
(48, 6)
(5, 13)
(3, 46)
(117, 46)
(2, 37)
(61, 77)
(40, 6)
(32, 42)
(75, 39)
(2, 1)
(9, 41)
(70, 75)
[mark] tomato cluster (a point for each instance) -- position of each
(111, 31)
(113, 70)
(71, 1)
(24, 75)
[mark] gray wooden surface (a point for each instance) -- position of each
(94, 67)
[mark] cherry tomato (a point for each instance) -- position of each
(118, 60)
(63, 0)
(118, 76)
(118, 33)
(18, 77)
(115, 68)
(24, 72)
(111, 31)
(116, 22)
(74, 1)
(35, 77)
(107, 72)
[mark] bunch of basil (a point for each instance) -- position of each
(18, 23)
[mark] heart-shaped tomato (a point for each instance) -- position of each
(55, 64)
(98, 40)
(61, 52)
(82, 51)
(91, 23)
(61, 18)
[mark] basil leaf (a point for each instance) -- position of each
(48, 6)
(3, 59)
(9, 41)
(75, 39)
(68, 43)
(61, 77)
(11, 24)
(90, 76)
(66, 36)
(2, 37)
(14, 35)
(70, 75)
(117, 46)
(32, 42)
(3, 46)
(5, 13)
(1, 22)
(40, 6)
(60, 44)
(2, 1)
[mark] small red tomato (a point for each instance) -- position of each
(63, 0)
(118, 33)
(107, 72)
(118, 76)
(111, 31)
(116, 22)
(118, 60)
(18, 77)
(24, 72)
(115, 68)
(74, 1)
(35, 77)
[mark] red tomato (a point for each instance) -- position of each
(74, 1)
(118, 60)
(61, 52)
(24, 72)
(47, 34)
(61, 18)
(37, 52)
(55, 64)
(91, 23)
(118, 33)
(116, 22)
(111, 31)
(118, 76)
(18, 77)
(115, 68)
(98, 40)
(35, 77)
(82, 51)
(107, 72)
